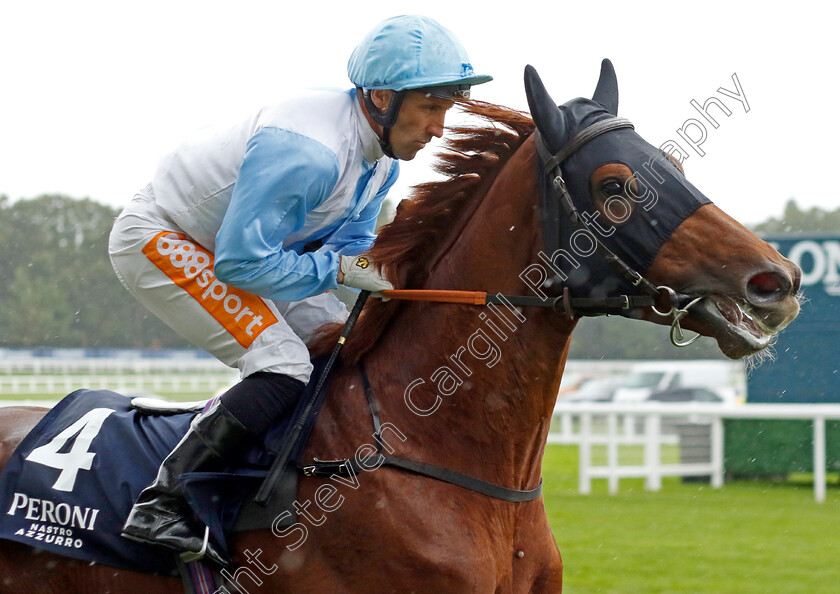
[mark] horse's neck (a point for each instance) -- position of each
(473, 387)
(469, 392)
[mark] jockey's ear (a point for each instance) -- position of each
(382, 98)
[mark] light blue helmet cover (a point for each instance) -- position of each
(411, 52)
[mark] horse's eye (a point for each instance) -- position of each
(612, 188)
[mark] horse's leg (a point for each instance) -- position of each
(25, 570)
(537, 565)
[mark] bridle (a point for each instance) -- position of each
(555, 196)
(555, 203)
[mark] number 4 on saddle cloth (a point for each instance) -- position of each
(70, 484)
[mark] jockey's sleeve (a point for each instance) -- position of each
(356, 236)
(283, 176)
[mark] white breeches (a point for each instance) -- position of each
(173, 277)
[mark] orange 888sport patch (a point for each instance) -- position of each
(190, 266)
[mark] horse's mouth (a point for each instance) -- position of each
(738, 329)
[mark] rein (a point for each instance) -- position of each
(562, 303)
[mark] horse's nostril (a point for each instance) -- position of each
(767, 286)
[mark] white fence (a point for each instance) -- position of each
(25, 372)
(614, 424)
(131, 384)
(74, 363)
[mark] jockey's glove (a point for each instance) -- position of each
(361, 273)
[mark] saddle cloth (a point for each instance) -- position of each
(70, 484)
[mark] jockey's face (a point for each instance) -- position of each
(421, 118)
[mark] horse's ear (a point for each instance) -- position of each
(606, 93)
(547, 116)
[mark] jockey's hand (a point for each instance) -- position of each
(361, 273)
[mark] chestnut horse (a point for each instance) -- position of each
(471, 389)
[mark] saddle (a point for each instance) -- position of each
(70, 484)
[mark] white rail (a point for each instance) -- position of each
(208, 383)
(96, 365)
(575, 423)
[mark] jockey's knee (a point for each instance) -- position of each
(262, 398)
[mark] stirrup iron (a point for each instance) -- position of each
(190, 556)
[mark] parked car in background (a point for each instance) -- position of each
(720, 396)
(645, 379)
(598, 389)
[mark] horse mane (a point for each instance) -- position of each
(432, 217)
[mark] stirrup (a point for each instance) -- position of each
(190, 556)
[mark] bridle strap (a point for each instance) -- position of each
(349, 467)
(556, 193)
(552, 161)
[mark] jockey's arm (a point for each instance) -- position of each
(283, 176)
(355, 237)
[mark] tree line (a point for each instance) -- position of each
(58, 289)
(57, 286)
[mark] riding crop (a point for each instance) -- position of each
(296, 431)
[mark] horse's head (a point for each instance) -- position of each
(615, 206)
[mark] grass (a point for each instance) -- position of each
(749, 537)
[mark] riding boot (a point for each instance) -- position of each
(161, 515)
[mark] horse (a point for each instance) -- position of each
(555, 209)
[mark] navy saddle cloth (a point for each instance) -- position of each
(70, 484)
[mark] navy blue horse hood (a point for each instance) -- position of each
(635, 223)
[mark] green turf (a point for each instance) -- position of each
(747, 537)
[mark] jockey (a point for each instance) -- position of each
(241, 233)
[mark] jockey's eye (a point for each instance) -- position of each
(612, 188)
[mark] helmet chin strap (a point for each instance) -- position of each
(386, 118)
(385, 143)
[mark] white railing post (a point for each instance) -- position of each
(653, 457)
(585, 454)
(612, 453)
(566, 428)
(629, 422)
(717, 452)
(819, 459)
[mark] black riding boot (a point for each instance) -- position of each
(160, 515)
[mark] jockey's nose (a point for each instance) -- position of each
(436, 125)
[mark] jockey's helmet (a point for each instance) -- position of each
(407, 53)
